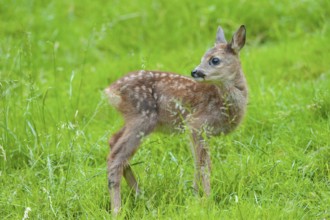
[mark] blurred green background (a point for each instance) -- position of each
(56, 57)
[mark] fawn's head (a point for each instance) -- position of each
(221, 63)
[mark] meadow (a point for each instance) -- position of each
(56, 58)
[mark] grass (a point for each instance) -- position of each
(56, 57)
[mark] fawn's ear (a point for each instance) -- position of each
(238, 40)
(220, 36)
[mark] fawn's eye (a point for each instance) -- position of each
(215, 61)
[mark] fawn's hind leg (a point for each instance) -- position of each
(128, 172)
(123, 149)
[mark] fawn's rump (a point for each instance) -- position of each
(114, 97)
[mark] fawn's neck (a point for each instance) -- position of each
(235, 97)
(240, 83)
(236, 88)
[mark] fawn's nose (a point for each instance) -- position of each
(197, 74)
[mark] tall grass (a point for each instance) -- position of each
(56, 57)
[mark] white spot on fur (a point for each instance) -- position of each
(145, 113)
(141, 99)
(140, 135)
(122, 88)
(182, 86)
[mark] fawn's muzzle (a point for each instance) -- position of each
(197, 74)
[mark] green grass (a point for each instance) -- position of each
(56, 57)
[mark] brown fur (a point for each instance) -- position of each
(212, 104)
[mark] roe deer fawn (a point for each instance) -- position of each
(211, 103)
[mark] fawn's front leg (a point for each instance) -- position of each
(202, 164)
